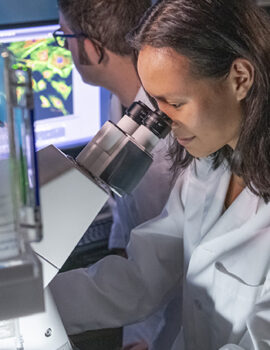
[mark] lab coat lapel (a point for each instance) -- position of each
(240, 211)
(226, 245)
(242, 226)
(203, 206)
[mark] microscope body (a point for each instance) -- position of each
(73, 192)
(49, 213)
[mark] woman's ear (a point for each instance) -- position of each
(242, 77)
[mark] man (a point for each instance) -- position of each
(94, 31)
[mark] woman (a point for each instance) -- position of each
(207, 64)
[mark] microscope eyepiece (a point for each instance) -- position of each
(156, 121)
(159, 123)
(138, 111)
(120, 154)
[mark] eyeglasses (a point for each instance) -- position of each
(61, 38)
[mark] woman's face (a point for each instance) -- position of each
(206, 113)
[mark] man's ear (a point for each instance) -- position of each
(92, 51)
(242, 77)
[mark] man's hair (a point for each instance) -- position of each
(212, 34)
(105, 21)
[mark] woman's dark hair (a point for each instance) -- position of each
(212, 34)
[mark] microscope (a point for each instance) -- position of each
(45, 209)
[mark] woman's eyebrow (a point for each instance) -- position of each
(160, 98)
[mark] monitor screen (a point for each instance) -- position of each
(17, 13)
(68, 112)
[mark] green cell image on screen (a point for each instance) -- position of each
(52, 76)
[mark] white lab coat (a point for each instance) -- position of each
(221, 258)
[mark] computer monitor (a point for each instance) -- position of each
(68, 112)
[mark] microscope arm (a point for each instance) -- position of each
(70, 201)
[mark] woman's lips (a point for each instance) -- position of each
(184, 141)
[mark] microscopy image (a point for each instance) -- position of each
(52, 75)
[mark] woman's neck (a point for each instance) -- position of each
(236, 186)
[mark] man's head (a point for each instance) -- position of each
(105, 21)
(99, 49)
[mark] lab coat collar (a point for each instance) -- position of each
(212, 236)
(205, 200)
(243, 208)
